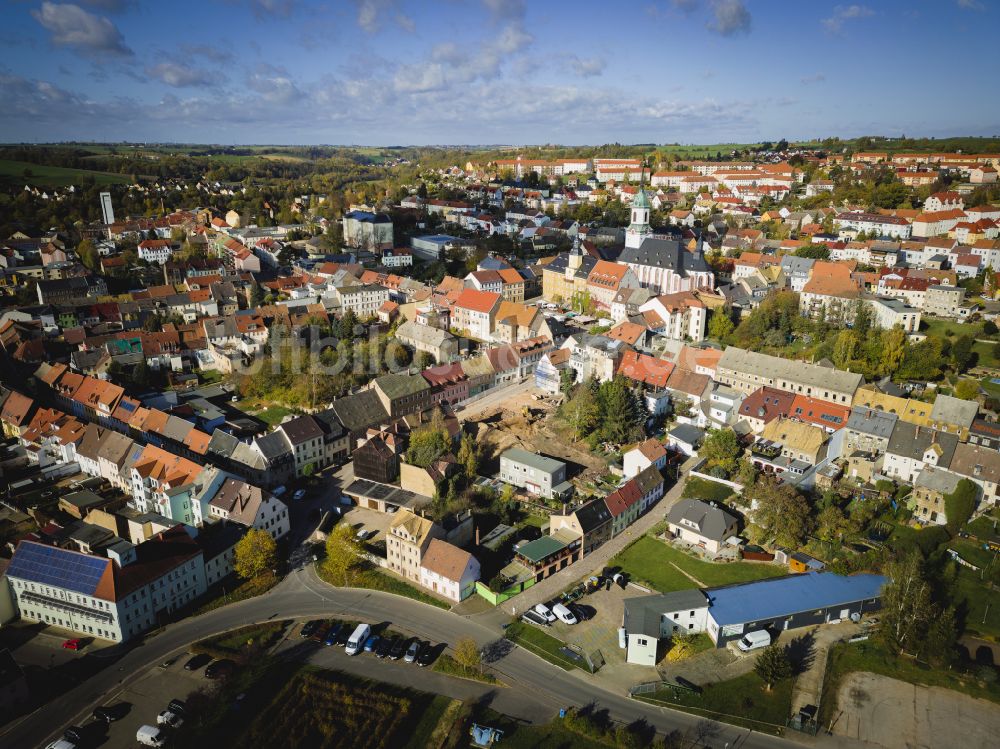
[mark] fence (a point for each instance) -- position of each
(707, 477)
(496, 598)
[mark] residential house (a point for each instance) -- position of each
(748, 370)
(703, 524)
(927, 500)
(440, 344)
(239, 502)
(448, 570)
(953, 415)
(648, 453)
(473, 312)
(406, 541)
(912, 448)
(537, 474)
(590, 522)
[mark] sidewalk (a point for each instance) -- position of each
(809, 684)
(598, 559)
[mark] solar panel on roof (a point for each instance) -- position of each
(128, 406)
(49, 565)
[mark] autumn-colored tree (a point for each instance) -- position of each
(343, 554)
(467, 655)
(255, 553)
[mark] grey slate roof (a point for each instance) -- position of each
(937, 479)
(398, 385)
(644, 614)
(910, 441)
(872, 421)
(273, 446)
(955, 411)
(711, 520)
(665, 253)
(222, 443)
(593, 515)
(812, 375)
(538, 462)
(301, 429)
(361, 410)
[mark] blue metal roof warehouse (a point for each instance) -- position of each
(773, 599)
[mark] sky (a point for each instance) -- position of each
(415, 72)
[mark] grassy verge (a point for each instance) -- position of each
(656, 563)
(374, 579)
(542, 644)
(697, 488)
(982, 604)
(273, 415)
(742, 701)
(226, 594)
(445, 664)
(845, 658)
(244, 642)
(428, 732)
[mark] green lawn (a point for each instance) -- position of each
(982, 605)
(742, 701)
(868, 656)
(985, 356)
(654, 562)
(224, 594)
(273, 415)
(542, 644)
(374, 579)
(13, 171)
(710, 491)
(987, 383)
(933, 326)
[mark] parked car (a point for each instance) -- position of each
(362, 534)
(345, 634)
(61, 744)
(371, 644)
(534, 618)
(542, 610)
(332, 634)
(754, 640)
(76, 734)
(358, 639)
(399, 648)
(310, 627)
(385, 647)
(150, 736)
(581, 611)
(564, 614)
(197, 661)
(169, 718)
(73, 644)
(427, 655)
(299, 494)
(112, 713)
(413, 652)
(220, 669)
(177, 706)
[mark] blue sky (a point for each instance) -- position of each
(385, 72)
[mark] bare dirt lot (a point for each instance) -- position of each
(893, 713)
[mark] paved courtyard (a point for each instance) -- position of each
(894, 714)
(600, 632)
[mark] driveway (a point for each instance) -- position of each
(896, 715)
(302, 594)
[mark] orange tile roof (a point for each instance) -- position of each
(477, 301)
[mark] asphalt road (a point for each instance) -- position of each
(302, 594)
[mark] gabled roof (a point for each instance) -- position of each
(710, 520)
(445, 559)
(477, 301)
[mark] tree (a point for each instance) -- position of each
(89, 256)
(967, 390)
(469, 454)
(721, 449)
(581, 410)
(779, 512)
(467, 655)
(961, 353)
(960, 504)
(428, 443)
(892, 348)
(831, 523)
(846, 349)
(622, 413)
(772, 665)
(254, 554)
(720, 326)
(343, 553)
(908, 609)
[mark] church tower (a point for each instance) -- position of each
(575, 259)
(639, 229)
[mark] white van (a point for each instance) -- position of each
(357, 642)
(61, 744)
(754, 640)
(150, 736)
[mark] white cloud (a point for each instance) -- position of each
(814, 78)
(842, 13)
(372, 15)
(274, 84)
(971, 5)
(730, 17)
(506, 10)
(587, 67)
(72, 26)
(182, 76)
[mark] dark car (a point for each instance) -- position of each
(309, 628)
(413, 652)
(75, 734)
(582, 612)
(345, 634)
(332, 634)
(427, 655)
(219, 669)
(197, 662)
(398, 648)
(385, 646)
(178, 707)
(535, 618)
(111, 713)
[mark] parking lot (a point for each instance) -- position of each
(601, 631)
(371, 520)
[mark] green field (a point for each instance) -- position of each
(742, 701)
(710, 491)
(949, 328)
(985, 355)
(654, 562)
(56, 176)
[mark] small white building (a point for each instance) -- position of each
(448, 570)
(642, 456)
